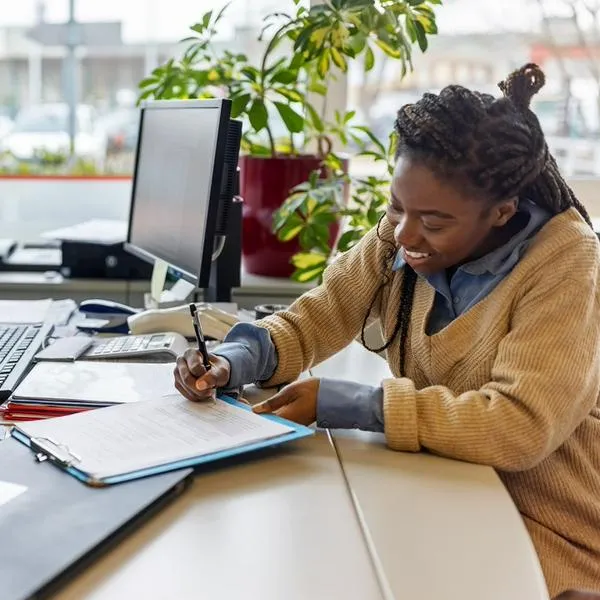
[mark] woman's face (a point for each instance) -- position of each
(436, 224)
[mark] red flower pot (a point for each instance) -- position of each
(265, 183)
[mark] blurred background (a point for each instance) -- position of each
(93, 55)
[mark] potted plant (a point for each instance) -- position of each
(287, 140)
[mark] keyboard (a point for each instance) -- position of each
(18, 345)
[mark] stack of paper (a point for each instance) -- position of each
(125, 442)
(24, 311)
(54, 389)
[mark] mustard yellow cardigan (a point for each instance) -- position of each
(512, 383)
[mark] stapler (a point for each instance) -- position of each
(106, 316)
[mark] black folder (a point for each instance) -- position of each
(51, 525)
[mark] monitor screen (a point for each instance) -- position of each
(177, 181)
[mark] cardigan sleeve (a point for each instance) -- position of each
(326, 319)
(545, 378)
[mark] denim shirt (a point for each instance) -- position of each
(348, 405)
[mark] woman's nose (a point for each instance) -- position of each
(407, 233)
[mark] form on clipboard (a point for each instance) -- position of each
(129, 441)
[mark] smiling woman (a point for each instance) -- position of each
(466, 161)
(484, 276)
(438, 226)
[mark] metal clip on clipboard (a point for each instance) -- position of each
(45, 448)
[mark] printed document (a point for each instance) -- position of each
(130, 437)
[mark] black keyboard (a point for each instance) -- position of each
(18, 345)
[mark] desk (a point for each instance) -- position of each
(281, 527)
(437, 528)
(321, 520)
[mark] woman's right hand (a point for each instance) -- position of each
(194, 382)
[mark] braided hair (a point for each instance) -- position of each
(493, 147)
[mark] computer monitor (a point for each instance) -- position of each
(185, 167)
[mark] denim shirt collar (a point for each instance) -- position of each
(502, 259)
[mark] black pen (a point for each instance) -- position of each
(199, 336)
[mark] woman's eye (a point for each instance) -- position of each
(430, 227)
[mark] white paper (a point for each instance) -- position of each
(157, 283)
(24, 311)
(103, 382)
(127, 438)
(9, 491)
(101, 231)
(179, 291)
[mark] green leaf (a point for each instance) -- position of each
(323, 216)
(283, 216)
(315, 119)
(148, 81)
(145, 95)
(297, 61)
(289, 231)
(357, 43)
(303, 40)
(306, 275)
(348, 239)
(421, 36)
(309, 240)
(369, 59)
(191, 54)
(258, 115)
(206, 19)
(323, 64)
(290, 94)
(318, 88)
(221, 13)
(313, 178)
(198, 28)
(285, 76)
(410, 27)
(274, 67)
(338, 60)
(308, 260)
(293, 121)
(388, 49)
(250, 73)
(372, 137)
(294, 202)
(238, 105)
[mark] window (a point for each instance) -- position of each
(478, 44)
(123, 41)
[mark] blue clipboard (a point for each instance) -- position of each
(299, 432)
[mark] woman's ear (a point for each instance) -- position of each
(503, 212)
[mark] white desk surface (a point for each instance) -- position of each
(278, 527)
(437, 528)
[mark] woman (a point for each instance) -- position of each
(484, 277)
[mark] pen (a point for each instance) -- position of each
(199, 336)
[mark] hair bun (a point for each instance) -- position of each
(521, 85)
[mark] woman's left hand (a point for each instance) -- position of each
(296, 402)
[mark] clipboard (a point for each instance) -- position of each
(51, 449)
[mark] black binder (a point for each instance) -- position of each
(57, 525)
